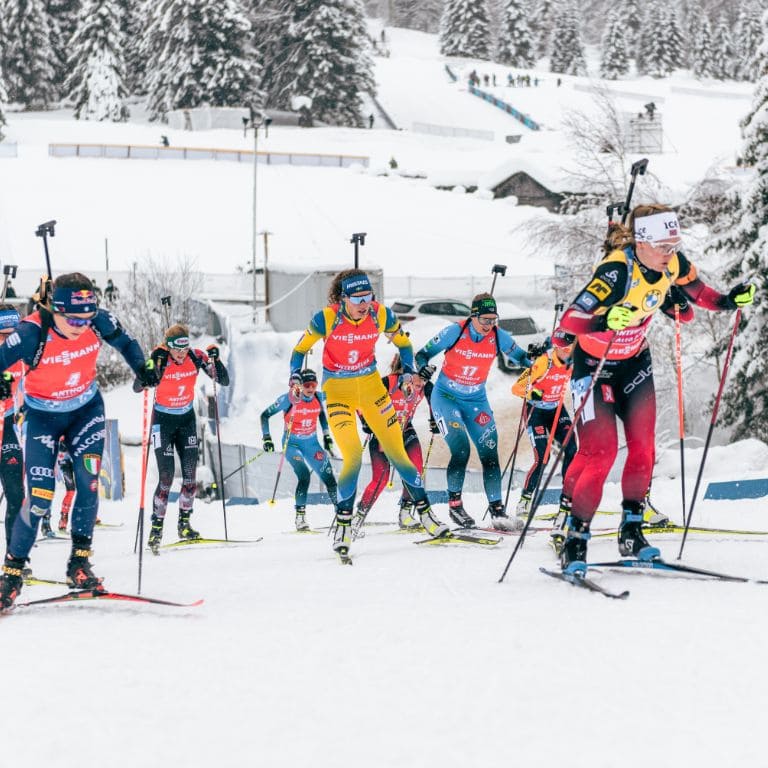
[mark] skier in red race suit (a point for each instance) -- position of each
(643, 271)
(174, 426)
(60, 344)
(406, 396)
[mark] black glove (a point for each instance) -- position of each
(213, 352)
(327, 442)
(159, 357)
(535, 394)
(433, 428)
(426, 372)
(268, 446)
(295, 381)
(536, 350)
(5, 385)
(148, 375)
(678, 296)
(740, 295)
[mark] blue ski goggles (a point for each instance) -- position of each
(364, 298)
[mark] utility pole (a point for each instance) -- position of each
(259, 119)
(265, 233)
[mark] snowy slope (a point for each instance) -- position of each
(413, 657)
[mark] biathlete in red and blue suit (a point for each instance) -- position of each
(302, 409)
(60, 344)
(460, 403)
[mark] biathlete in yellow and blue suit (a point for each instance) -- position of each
(350, 327)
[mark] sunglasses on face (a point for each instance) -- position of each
(76, 322)
(364, 298)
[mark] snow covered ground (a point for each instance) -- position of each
(413, 657)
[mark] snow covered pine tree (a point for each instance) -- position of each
(465, 29)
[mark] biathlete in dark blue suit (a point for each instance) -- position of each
(302, 408)
(460, 403)
(60, 344)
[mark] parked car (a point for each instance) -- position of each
(414, 308)
(524, 331)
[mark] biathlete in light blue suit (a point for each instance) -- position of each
(302, 408)
(460, 403)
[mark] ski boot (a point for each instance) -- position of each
(79, 573)
(11, 581)
(501, 521)
(185, 529)
(63, 520)
(405, 517)
(457, 512)
(431, 524)
(342, 536)
(651, 515)
(573, 558)
(155, 534)
(358, 521)
(45, 527)
(557, 537)
(301, 519)
(522, 506)
(632, 542)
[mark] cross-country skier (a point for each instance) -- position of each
(174, 425)
(406, 395)
(544, 386)
(460, 403)
(302, 408)
(60, 343)
(350, 326)
(610, 318)
(11, 461)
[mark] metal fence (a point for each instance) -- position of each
(140, 152)
(508, 108)
(452, 130)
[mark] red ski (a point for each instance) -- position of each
(95, 594)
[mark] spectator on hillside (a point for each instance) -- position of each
(10, 292)
(510, 81)
(486, 80)
(494, 79)
(371, 120)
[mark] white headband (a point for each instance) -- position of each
(658, 227)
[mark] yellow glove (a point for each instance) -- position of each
(619, 318)
(741, 295)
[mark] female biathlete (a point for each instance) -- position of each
(302, 408)
(174, 426)
(460, 403)
(406, 395)
(11, 460)
(350, 326)
(60, 344)
(610, 319)
(543, 386)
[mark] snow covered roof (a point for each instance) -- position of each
(553, 178)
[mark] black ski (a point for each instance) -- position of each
(661, 565)
(95, 594)
(585, 583)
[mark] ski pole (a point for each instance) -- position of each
(165, 301)
(218, 443)
(426, 458)
(145, 448)
(142, 493)
(568, 435)
(286, 438)
(639, 167)
(521, 426)
(9, 270)
(712, 421)
(241, 467)
(358, 239)
(680, 412)
(496, 270)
